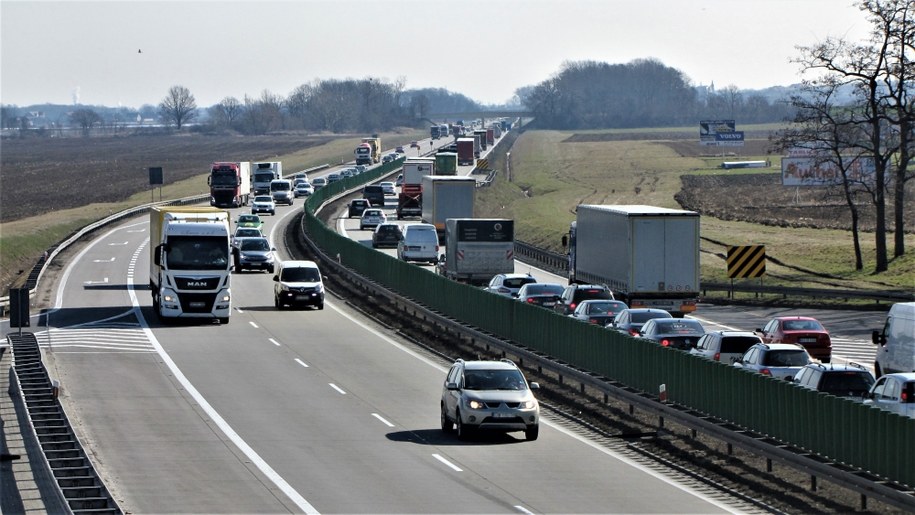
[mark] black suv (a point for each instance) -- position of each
(851, 380)
(357, 206)
(374, 193)
(575, 293)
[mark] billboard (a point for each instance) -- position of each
(720, 133)
(810, 171)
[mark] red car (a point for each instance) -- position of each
(805, 331)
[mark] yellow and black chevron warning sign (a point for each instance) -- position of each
(746, 261)
(482, 164)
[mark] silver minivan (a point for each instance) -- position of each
(419, 243)
(896, 342)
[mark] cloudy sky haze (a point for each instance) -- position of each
(66, 51)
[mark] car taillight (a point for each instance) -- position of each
(593, 320)
(530, 300)
(572, 306)
(766, 372)
(717, 356)
(665, 343)
(633, 332)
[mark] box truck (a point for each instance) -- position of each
(264, 173)
(476, 249)
(648, 256)
(447, 197)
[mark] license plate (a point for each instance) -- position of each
(197, 304)
(549, 304)
(302, 297)
(502, 415)
(807, 340)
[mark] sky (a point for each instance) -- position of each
(129, 53)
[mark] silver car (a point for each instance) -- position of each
(894, 392)
(489, 396)
(778, 360)
(253, 254)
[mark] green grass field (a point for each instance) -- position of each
(552, 172)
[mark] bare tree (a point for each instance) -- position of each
(85, 119)
(880, 73)
(227, 112)
(178, 107)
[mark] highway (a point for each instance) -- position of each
(313, 411)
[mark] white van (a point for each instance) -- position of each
(298, 283)
(282, 191)
(896, 342)
(419, 243)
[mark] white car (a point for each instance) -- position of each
(319, 183)
(388, 188)
(263, 204)
(372, 217)
(303, 189)
(894, 392)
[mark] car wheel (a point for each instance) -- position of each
(276, 302)
(321, 306)
(532, 432)
(877, 371)
(463, 432)
(224, 320)
(447, 425)
(270, 269)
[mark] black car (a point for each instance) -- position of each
(357, 206)
(374, 193)
(386, 235)
(630, 321)
(679, 333)
(575, 293)
(541, 294)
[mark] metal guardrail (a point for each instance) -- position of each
(78, 486)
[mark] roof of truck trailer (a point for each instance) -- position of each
(638, 209)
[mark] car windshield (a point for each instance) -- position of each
(247, 233)
(786, 358)
(246, 219)
(738, 344)
(851, 384)
(641, 318)
(254, 244)
(517, 282)
(802, 325)
(681, 327)
(301, 275)
(494, 380)
(544, 289)
(600, 308)
(263, 199)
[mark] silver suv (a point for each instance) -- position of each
(489, 395)
(851, 380)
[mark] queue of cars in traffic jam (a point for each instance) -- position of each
(792, 348)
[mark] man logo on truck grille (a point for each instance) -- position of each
(196, 284)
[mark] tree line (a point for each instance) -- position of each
(641, 93)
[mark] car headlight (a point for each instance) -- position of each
(475, 404)
(531, 404)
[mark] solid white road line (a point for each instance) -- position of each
(446, 462)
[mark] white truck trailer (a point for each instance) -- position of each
(447, 197)
(648, 256)
(190, 263)
(476, 249)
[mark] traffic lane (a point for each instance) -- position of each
(97, 289)
(365, 402)
(146, 435)
(303, 392)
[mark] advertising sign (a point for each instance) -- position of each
(709, 130)
(809, 171)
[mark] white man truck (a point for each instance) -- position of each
(476, 249)
(230, 184)
(190, 265)
(648, 256)
(264, 174)
(447, 197)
